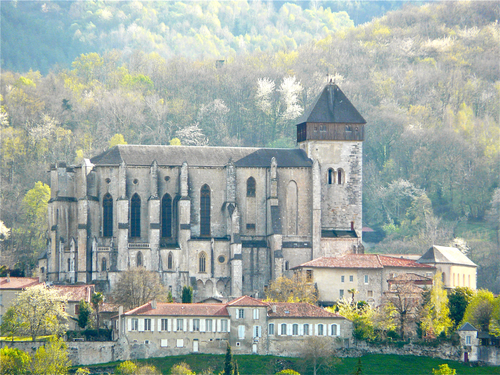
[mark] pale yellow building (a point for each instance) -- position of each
(456, 267)
(10, 287)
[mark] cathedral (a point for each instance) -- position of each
(225, 220)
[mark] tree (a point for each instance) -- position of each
(138, 286)
(458, 300)
(436, 311)
(37, 311)
(287, 372)
(84, 313)
(318, 352)
(14, 361)
(187, 294)
(479, 310)
(444, 370)
(359, 368)
(52, 358)
(181, 369)
(97, 300)
(495, 318)
(294, 289)
(352, 292)
(228, 362)
(116, 140)
(126, 368)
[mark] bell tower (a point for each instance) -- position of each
(332, 133)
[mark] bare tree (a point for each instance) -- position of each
(318, 352)
(295, 289)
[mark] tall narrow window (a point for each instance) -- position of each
(331, 176)
(103, 264)
(166, 216)
(251, 187)
(292, 208)
(170, 261)
(202, 262)
(135, 216)
(205, 211)
(107, 216)
(340, 177)
(139, 259)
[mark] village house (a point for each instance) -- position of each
(249, 325)
(10, 287)
(368, 274)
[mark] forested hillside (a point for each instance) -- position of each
(425, 78)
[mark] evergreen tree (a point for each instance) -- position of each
(85, 310)
(187, 294)
(236, 371)
(359, 369)
(228, 364)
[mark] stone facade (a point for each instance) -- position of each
(224, 220)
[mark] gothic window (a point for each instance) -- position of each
(103, 264)
(135, 216)
(251, 187)
(292, 208)
(202, 262)
(107, 216)
(170, 262)
(340, 176)
(139, 259)
(69, 264)
(205, 211)
(166, 216)
(331, 176)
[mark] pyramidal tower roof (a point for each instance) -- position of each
(332, 106)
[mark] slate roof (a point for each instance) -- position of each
(361, 261)
(446, 255)
(467, 327)
(246, 301)
(332, 106)
(298, 310)
(180, 309)
(75, 293)
(18, 282)
(202, 156)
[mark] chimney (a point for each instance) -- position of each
(8, 277)
(153, 304)
(274, 309)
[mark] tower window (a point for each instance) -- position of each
(340, 177)
(205, 211)
(107, 216)
(103, 264)
(135, 216)
(251, 187)
(139, 259)
(202, 260)
(170, 261)
(166, 216)
(331, 176)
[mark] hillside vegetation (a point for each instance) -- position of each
(425, 78)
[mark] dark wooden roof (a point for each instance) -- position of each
(332, 106)
(202, 156)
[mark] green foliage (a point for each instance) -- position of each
(359, 368)
(14, 361)
(228, 362)
(84, 314)
(479, 310)
(436, 312)
(444, 370)
(495, 318)
(292, 289)
(181, 369)
(187, 294)
(51, 358)
(175, 142)
(97, 299)
(287, 372)
(82, 371)
(117, 139)
(458, 300)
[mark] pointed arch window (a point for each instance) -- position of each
(103, 264)
(166, 216)
(107, 216)
(205, 211)
(331, 176)
(202, 262)
(170, 261)
(139, 259)
(135, 216)
(251, 187)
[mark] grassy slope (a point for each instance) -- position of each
(371, 364)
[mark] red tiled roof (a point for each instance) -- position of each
(109, 307)
(411, 277)
(18, 282)
(246, 301)
(180, 309)
(360, 261)
(75, 292)
(298, 310)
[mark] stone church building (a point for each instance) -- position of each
(225, 220)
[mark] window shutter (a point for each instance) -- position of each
(301, 330)
(289, 329)
(338, 329)
(174, 325)
(129, 321)
(190, 325)
(141, 325)
(169, 325)
(185, 325)
(152, 325)
(159, 324)
(329, 329)
(228, 326)
(315, 326)
(202, 325)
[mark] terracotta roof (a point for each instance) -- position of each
(411, 277)
(109, 307)
(18, 282)
(446, 255)
(298, 310)
(181, 309)
(246, 301)
(75, 292)
(361, 261)
(202, 156)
